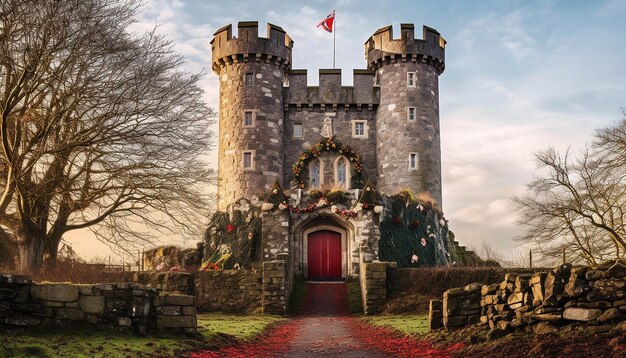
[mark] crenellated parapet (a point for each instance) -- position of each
(382, 48)
(330, 90)
(275, 48)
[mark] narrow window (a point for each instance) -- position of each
(315, 173)
(410, 79)
(411, 114)
(248, 119)
(413, 161)
(248, 162)
(249, 78)
(297, 130)
(341, 173)
(359, 129)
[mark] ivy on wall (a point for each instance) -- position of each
(237, 233)
(413, 233)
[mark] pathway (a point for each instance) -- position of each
(327, 330)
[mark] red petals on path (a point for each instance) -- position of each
(395, 343)
(271, 344)
(328, 301)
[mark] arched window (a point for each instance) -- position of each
(342, 173)
(315, 173)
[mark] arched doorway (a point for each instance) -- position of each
(324, 255)
(323, 220)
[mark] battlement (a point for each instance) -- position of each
(382, 47)
(248, 46)
(330, 89)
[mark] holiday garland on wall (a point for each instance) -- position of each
(236, 235)
(368, 200)
(327, 145)
(412, 233)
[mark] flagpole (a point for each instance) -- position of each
(334, 35)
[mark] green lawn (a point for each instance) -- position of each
(409, 324)
(214, 330)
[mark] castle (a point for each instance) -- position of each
(379, 135)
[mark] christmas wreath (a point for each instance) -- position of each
(328, 145)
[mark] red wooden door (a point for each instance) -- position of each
(324, 255)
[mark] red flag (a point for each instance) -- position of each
(327, 23)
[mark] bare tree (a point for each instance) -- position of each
(99, 128)
(578, 206)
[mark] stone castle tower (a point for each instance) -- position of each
(340, 154)
(268, 116)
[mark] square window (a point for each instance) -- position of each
(248, 119)
(249, 78)
(410, 79)
(359, 129)
(413, 161)
(410, 114)
(248, 160)
(297, 130)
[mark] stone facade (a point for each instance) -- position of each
(129, 305)
(256, 76)
(565, 298)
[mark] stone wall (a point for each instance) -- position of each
(564, 298)
(233, 58)
(175, 282)
(129, 305)
(311, 120)
(276, 287)
(275, 233)
(393, 59)
(373, 279)
(235, 291)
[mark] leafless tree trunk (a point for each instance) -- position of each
(99, 128)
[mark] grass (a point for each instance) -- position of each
(214, 330)
(242, 327)
(408, 324)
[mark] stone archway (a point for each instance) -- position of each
(306, 225)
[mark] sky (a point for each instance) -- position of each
(520, 76)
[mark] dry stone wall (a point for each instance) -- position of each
(373, 279)
(276, 287)
(233, 291)
(564, 298)
(175, 282)
(129, 305)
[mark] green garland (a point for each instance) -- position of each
(240, 233)
(328, 145)
(411, 233)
